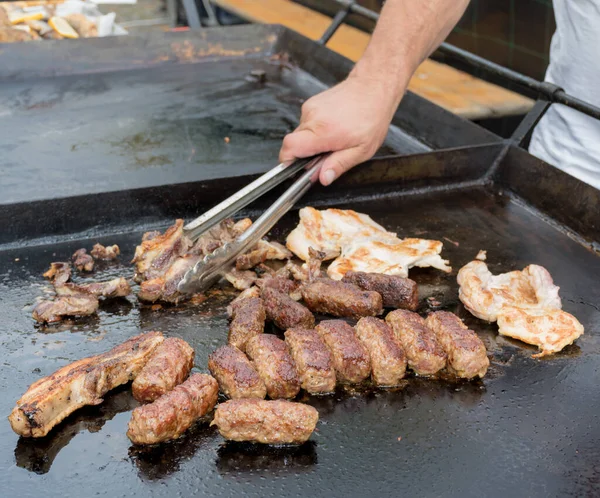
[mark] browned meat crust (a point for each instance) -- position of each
(467, 356)
(117, 287)
(274, 364)
(50, 400)
(70, 301)
(82, 260)
(396, 292)
(267, 422)
(281, 284)
(350, 358)
(59, 273)
(164, 288)
(423, 351)
(226, 231)
(169, 366)
(284, 312)
(108, 252)
(312, 359)
(263, 251)
(241, 280)
(175, 412)
(235, 374)
(340, 299)
(247, 320)
(388, 361)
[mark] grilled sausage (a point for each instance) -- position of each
(267, 422)
(388, 361)
(235, 374)
(350, 358)
(175, 412)
(396, 292)
(247, 320)
(467, 356)
(284, 312)
(313, 360)
(169, 366)
(274, 364)
(336, 298)
(423, 351)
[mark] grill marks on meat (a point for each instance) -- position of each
(350, 358)
(267, 422)
(247, 321)
(467, 356)
(274, 364)
(50, 400)
(423, 351)
(107, 253)
(235, 374)
(175, 412)
(284, 312)
(168, 366)
(59, 273)
(388, 361)
(396, 292)
(341, 299)
(82, 260)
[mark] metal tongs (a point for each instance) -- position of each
(214, 265)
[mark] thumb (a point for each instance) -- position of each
(337, 163)
(301, 143)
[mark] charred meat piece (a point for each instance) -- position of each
(423, 351)
(175, 412)
(267, 422)
(117, 287)
(350, 358)
(396, 292)
(235, 374)
(467, 357)
(312, 359)
(241, 280)
(70, 301)
(388, 361)
(82, 260)
(263, 251)
(50, 400)
(247, 320)
(108, 252)
(341, 299)
(164, 288)
(169, 366)
(59, 273)
(274, 364)
(284, 312)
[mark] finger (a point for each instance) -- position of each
(302, 143)
(338, 163)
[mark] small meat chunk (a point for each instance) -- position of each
(388, 361)
(263, 251)
(235, 374)
(423, 351)
(108, 252)
(312, 359)
(350, 358)
(396, 292)
(467, 357)
(241, 280)
(165, 287)
(59, 273)
(284, 312)
(175, 412)
(169, 366)
(247, 320)
(341, 299)
(117, 287)
(274, 364)
(267, 422)
(82, 260)
(69, 302)
(281, 284)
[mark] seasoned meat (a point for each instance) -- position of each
(281, 284)
(284, 312)
(235, 374)
(169, 366)
(388, 361)
(108, 252)
(117, 287)
(341, 299)
(267, 422)
(263, 251)
(274, 364)
(466, 352)
(82, 260)
(423, 351)
(226, 231)
(70, 301)
(350, 358)
(50, 400)
(250, 292)
(396, 292)
(247, 320)
(241, 280)
(164, 288)
(59, 273)
(312, 359)
(175, 412)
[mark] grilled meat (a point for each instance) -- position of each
(341, 299)
(108, 252)
(235, 374)
(312, 359)
(388, 361)
(164, 288)
(423, 351)
(467, 357)
(349, 357)
(284, 312)
(274, 364)
(281, 284)
(175, 412)
(247, 320)
(241, 280)
(82, 260)
(226, 231)
(50, 400)
(248, 293)
(117, 287)
(396, 292)
(70, 301)
(267, 422)
(263, 251)
(168, 366)
(59, 273)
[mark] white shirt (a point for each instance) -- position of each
(564, 137)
